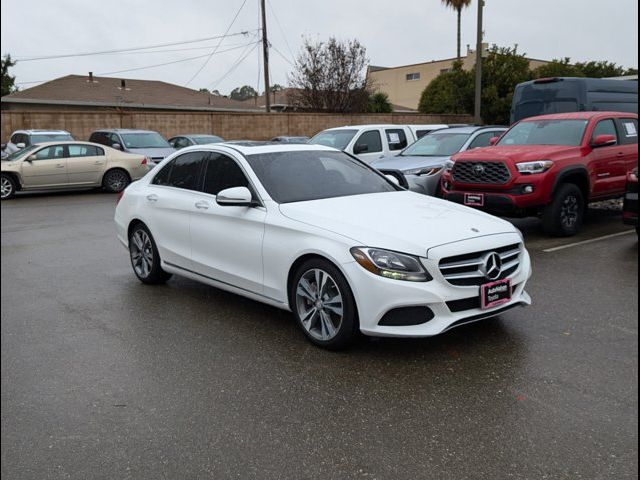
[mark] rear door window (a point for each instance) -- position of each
(84, 151)
(483, 140)
(183, 172)
(371, 139)
(397, 139)
(99, 137)
(628, 131)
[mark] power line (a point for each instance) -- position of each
(237, 63)
(218, 46)
(104, 52)
(282, 55)
(281, 30)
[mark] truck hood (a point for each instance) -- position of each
(402, 221)
(153, 153)
(521, 153)
(408, 162)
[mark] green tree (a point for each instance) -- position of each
(8, 81)
(458, 6)
(600, 69)
(379, 103)
(450, 92)
(557, 68)
(243, 93)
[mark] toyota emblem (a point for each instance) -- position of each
(491, 266)
(478, 170)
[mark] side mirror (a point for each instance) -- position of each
(31, 158)
(603, 141)
(235, 197)
(494, 141)
(21, 145)
(117, 146)
(360, 148)
(393, 179)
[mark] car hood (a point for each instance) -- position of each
(521, 153)
(408, 162)
(403, 221)
(152, 152)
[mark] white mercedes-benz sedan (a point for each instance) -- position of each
(315, 231)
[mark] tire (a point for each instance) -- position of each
(563, 217)
(116, 180)
(145, 259)
(330, 320)
(9, 187)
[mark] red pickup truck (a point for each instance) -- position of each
(550, 166)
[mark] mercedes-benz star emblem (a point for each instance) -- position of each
(491, 266)
(478, 170)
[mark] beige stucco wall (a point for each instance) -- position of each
(406, 93)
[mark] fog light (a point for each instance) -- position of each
(528, 189)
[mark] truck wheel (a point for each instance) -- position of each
(563, 217)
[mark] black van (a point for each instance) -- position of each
(572, 94)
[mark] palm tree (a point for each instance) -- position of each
(458, 6)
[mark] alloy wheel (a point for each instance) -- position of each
(570, 211)
(6, 188)
(141, 250)
(319, 303)
(117, 181)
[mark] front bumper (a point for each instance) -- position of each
(376, 296)
(425, 184)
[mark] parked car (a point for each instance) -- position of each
(312, 230)
(422, 162)
(65, 165)
(289, 139)
(182, 141)
(420, 131)
(142, 142)
(562, 95)
(630, 208)
(550, 166)
(367, 142)
(25, 138)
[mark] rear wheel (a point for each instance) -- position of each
(323, 305)
(7, 187)
(145, 259)
(116, 180)
(563, 217)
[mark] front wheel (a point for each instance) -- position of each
(8, 187)
(563, 217)
(323, 305)
(145, 258)
(116, 180)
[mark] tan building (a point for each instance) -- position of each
(405, 84)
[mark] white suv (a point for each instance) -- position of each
(25, 138)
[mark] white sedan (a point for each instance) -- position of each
(312, 230)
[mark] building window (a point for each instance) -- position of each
(446, 70)
(413, 76)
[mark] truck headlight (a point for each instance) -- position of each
(427, 172)
(540, 166)
(389, 264)
(448, 165)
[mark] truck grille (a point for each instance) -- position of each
(481, 172)
(465, 270)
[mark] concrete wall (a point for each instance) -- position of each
(231, 126)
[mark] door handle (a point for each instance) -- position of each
(98, 162)
(202, 205)
(60, 166)
(152, 198)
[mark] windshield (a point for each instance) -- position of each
(144, 140)
(312, 175)
(20, 153)
(546, 132)
(50, 137)
(334, 138)
(204, 139)
(437, 145)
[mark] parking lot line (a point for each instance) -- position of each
(584, 242)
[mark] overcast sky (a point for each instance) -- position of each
(394, 32)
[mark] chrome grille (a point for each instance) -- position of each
(481, 172)
(465, 270)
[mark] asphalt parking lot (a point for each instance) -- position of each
(103, 377)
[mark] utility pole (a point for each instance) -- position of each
(265, 56)
(478, 101)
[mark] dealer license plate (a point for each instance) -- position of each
(495, 293)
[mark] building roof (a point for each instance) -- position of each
(83, 90)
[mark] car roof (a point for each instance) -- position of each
(64, 132)
(124, 130)
(246, 147)
(581, 116)
(469, 130)
(373, 125)
(69, 142)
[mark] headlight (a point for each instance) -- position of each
(540, 166)
(388, 264)
(423, 171)
(448, 165)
